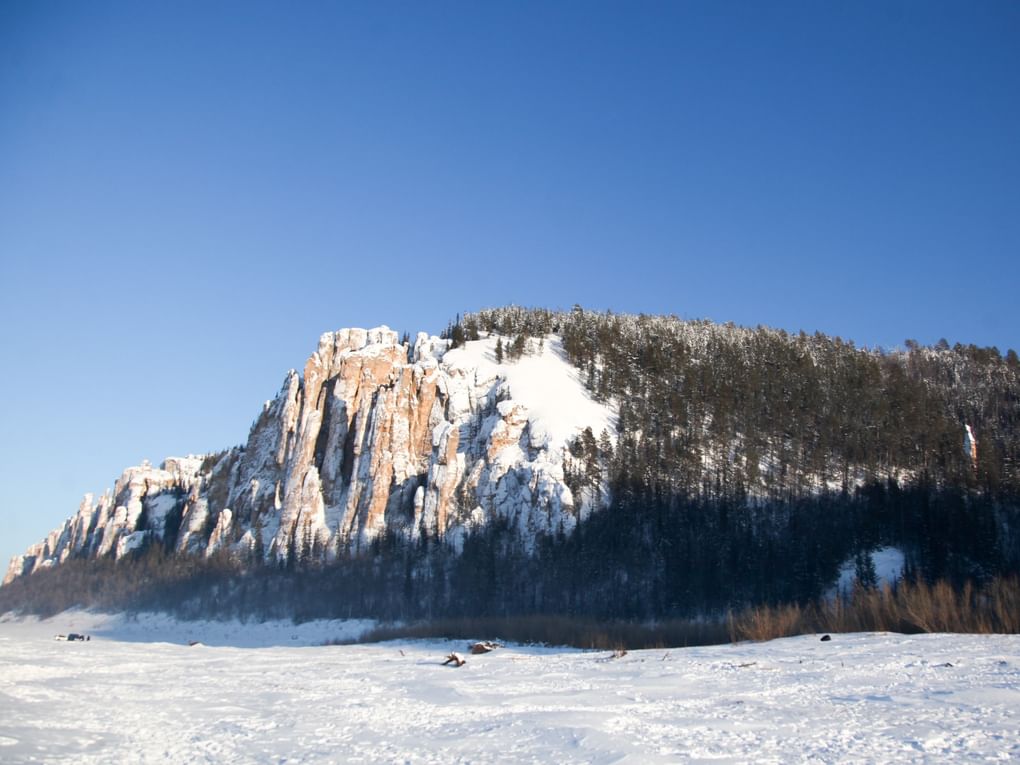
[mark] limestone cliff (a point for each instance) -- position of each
(373, 436)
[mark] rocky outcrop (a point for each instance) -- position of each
(373, 436)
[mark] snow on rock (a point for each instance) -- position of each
(142, 499)
(371, 436)
(546, 384)
(131, 542)
(158, 508)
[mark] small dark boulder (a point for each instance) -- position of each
(826, 637)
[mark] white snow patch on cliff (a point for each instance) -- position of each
(545, 383)
(158, 507)
(130, 543)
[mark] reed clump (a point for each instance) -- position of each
(908, 607)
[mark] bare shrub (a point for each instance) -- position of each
(1003, 603)
(767, 623)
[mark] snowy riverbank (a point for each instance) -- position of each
(160, 628)
(137, 692)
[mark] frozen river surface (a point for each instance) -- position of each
(137, 692)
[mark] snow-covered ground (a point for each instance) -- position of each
(161, 628)
(859, 698)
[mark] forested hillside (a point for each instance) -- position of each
(717, 410)
(751, 463)
(746, 466)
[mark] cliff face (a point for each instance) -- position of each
(373, 437)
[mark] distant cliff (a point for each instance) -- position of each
(375, 436)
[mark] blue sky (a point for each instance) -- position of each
(191, 192)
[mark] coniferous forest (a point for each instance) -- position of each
(747, 466)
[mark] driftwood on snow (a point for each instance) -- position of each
(483, 646)
(455, 659)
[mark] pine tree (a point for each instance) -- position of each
(457, 334)
(517, 349)
(864, 570)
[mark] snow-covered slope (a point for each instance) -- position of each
(886, 565)
(864, 698)
(373, 436)
(546, 384)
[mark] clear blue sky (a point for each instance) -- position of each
(191, 192)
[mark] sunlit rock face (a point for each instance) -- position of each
(970, 446)
(373, 436)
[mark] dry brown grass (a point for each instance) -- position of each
(766, 623)
(909, 608)
(1004, 601)
(562, 630)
